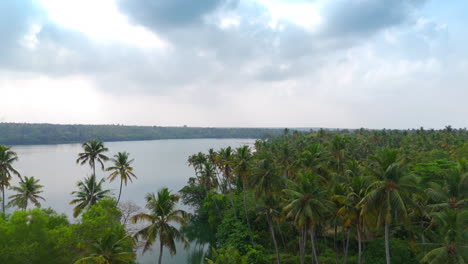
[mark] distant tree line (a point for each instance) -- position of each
(29, 134)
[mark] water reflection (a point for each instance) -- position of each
(159, 163)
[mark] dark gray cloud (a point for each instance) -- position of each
(364, 17)
(160, 14)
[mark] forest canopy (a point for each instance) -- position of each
(29, 134)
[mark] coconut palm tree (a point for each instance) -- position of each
(242, 167)
(390, 194)
(122, 169)
(224, 162)
(7, 157)
(28, 190)
(307, 205)
(89, 193)
(452, 234)
(207, 176)
(197, 161)
(350, 209)
(454, 191)
(162, 214)
(93, 152)
(111, 249)
(268, 182)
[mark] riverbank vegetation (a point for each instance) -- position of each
(362, 196)
(335, 197)
(102, 232)
(31, 134)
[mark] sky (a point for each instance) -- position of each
(235, 63)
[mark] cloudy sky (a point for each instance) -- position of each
(251, 63)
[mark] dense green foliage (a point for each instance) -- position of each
(327, 197)
(28, 134)
(324, 197)
(42, 236)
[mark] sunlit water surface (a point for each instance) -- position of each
(158, 163)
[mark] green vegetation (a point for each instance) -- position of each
(161, 217)
(101, 235)
(7, 158)
(29, 134)
(121, 169)
(327, 197)
(28, 190)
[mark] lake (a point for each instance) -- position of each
(158, 163)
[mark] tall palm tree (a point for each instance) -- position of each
(307, 204)
(111, 249)
(350, 209)
(286, 158)
(162, 214)
(28, 190)
(122, 168)
(93, 152)
(197, 161)
(224, 161)
(452, 234)
(242, 167)
(268, 182)
(390, 195)
(207, 176)
(454, 191)
(338, 149)
(7, 157)
(89, 193)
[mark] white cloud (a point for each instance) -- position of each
(30, 40)
(39, 98)
(304, 14)
(101, 21)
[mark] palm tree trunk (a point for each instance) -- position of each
(92, 189)
(343, 239)
(246, 215)
(312, 239)
(3, 199)
(272, 230)
(387, 242)
(347, 247)
(218, 210)
(160, 252)
(230, 197)
(233, 206)
(423, 239)
(334, 242)
(359, 245)
(120, 191)
(281, 234)
(302, 242)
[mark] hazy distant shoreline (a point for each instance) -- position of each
(45, 134)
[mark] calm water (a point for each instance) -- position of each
(158, 163)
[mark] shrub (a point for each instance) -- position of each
(399, 252)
